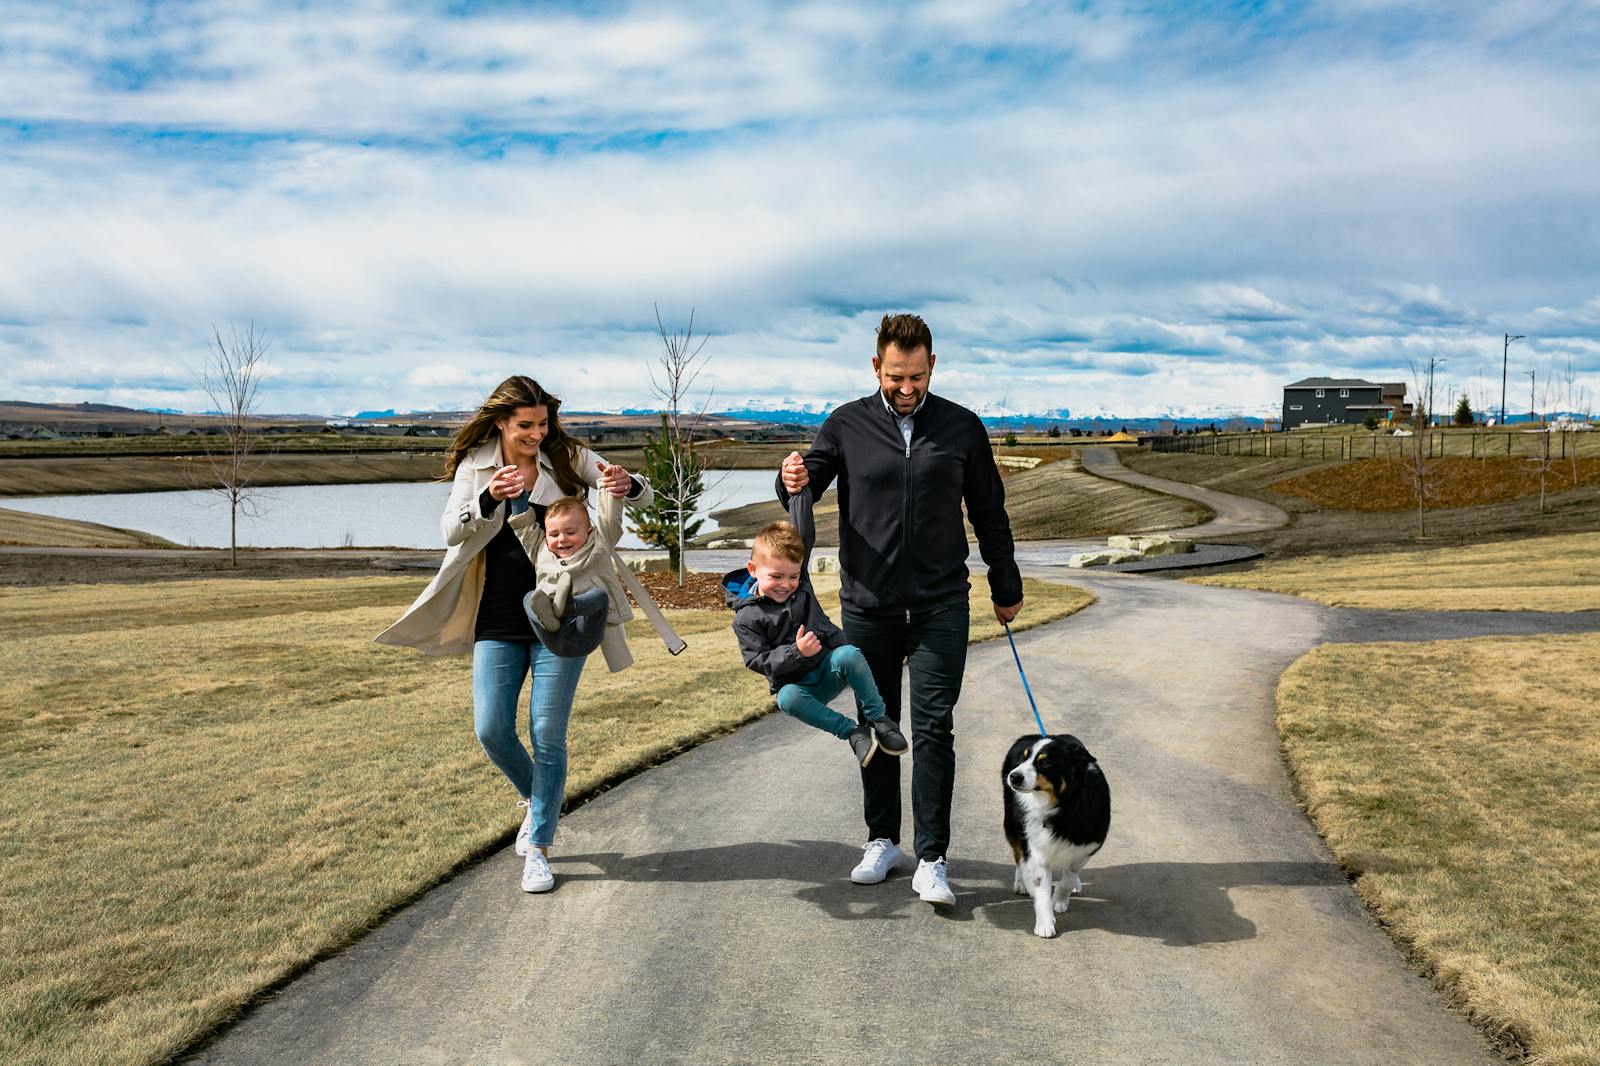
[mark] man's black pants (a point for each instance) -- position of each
(933, 643)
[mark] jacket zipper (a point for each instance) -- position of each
(905, 523)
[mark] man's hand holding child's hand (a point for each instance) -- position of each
(807, 643)
(795, 475)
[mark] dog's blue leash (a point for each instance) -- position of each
(1043, 732)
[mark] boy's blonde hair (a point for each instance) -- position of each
(568, 503)
(780, 540)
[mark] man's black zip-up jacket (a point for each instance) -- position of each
(902, 543)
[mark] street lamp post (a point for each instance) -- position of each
(1533, 409)
(1505, 348)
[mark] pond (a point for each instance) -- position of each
(387, 514)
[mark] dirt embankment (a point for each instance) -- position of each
(1316, 530)
(1055, 500)
(164, 473)
(21, 528)
(1388, 484)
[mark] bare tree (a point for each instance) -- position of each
(235, 367)
(1421, 469)
(678, 475)
(1542, 394)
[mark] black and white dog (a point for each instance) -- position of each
(1058, 808)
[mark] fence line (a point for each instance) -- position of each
(1329, 446)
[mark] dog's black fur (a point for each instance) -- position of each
(1057, 814)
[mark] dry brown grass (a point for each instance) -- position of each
(208, 784)
(1560, 573)
(1460, 782)
(37, 530)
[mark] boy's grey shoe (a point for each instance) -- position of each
(877, 858)
(864, 742)
(890, 739)
(561, 599)
(543, 611)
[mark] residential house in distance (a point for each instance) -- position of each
(1342, 401)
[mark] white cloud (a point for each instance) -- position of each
(408, 231)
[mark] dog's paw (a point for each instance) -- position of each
(1077, 884)
(1046, 929)
(1061, 904)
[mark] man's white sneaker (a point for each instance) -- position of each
(536, 875)
(876, 860)
(525, 834)
(931, 882)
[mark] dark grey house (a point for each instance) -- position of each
(1341, 401)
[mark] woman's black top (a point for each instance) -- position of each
(508, 576)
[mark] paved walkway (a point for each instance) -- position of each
(703, 912)
(1234, 514)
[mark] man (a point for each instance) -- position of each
(905, 461)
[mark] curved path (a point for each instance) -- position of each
(703, 912)
(1234, 514)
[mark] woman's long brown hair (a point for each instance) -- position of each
(514, 392)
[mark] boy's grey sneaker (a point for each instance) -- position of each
(877, 858)
(541, 610)
(536, 875)
(890, 739)
(932, 884)
(525, 834)
(864, 742)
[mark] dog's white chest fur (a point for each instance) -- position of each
(1047, 852)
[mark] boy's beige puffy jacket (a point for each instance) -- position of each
(442, 619)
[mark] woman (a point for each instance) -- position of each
(510, 457)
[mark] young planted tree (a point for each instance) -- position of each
(678, 475)
(231, 378)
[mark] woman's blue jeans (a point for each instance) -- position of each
(498, 669)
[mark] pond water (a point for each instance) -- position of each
(388, 514)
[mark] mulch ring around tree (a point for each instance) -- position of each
(1387, 484)
(700, 592)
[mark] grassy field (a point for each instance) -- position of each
(19, 527)
(208, 784)
(1465, 799)
(1053, 500)
(1560, 573)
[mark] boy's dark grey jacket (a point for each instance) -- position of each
(902, 541)
(767, 630)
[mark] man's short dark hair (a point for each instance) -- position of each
(906, 332)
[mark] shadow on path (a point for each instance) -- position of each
(1181, 904)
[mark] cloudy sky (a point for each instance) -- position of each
(1127, 208)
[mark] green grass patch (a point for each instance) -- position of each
(208, 784)
(1470, 817)
(1560, 573)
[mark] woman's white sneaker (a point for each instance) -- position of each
(536, 875)
(876, 860)
(525, 834)
(931, 882)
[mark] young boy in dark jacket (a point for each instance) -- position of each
(785, 636)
